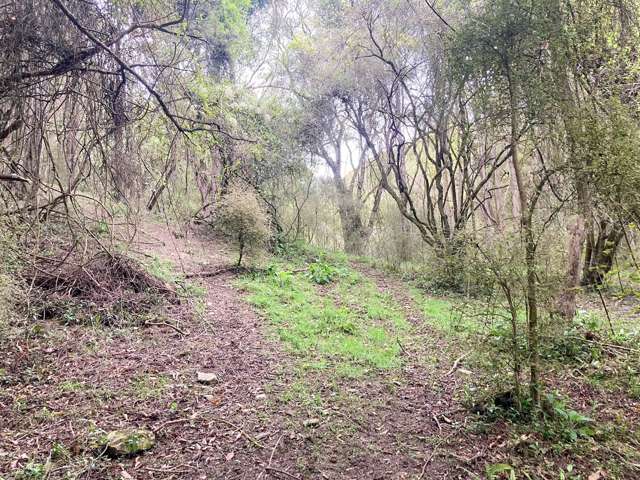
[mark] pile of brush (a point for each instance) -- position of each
(108, 288)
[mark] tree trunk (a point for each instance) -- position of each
(354, 232)
(526, 216)
(240, 248)
(600, 252)
(566, 302)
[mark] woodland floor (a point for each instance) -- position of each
(267, 417)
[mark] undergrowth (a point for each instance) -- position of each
(107, 289)
(327, 313)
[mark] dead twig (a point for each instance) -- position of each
(274, 451)
(402, 347)
(467, 460)
(606, 310)
(173, 470)
(456, 363)
(435, 418)
(428, 461)
(165, 324)
(242, 432)
(272, 470)
(170, 422)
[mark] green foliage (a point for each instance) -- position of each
(441, 313)
(443, 274)
(321, 273)
(500, 470)
(563, 423)
(166, 271)
(499, 48)
(352, 327)
(605, 152)
(242, 218)
(71, 386)
(31, 471)
(59, 452)
(568, 474)
(225, 23)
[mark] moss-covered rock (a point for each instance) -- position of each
(128, 442)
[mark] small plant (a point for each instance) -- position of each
(499, 471)
(147, 386)
(321, 273)
(31, 471)
(243, 219)
(59, 451)
(568, 474)
(71, 386)
(564, 423)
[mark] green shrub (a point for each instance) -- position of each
(242, 218)
(321, 273)
(562, 423)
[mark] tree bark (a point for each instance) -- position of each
(600, 252)
(566, 302)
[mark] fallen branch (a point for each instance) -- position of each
(613, 345)
(272, 470)
(165, 324)
(215, 273)
(456, 364)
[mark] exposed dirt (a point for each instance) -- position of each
(66, 384)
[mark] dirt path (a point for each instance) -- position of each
(264, 417)
(388, 426)
(68, 382)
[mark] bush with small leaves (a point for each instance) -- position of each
(242, 218)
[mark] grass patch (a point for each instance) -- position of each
(71, 386)
(441, 314)
(166, 271)
(148, 386)
(337, 319)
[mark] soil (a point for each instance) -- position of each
(65, 384)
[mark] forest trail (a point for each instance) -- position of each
(263, 415)
(387, 425)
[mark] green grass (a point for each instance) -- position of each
(145, 386)
(165, 270)
(439, 313)
(346, 325)
(71, 386)
(162, 269)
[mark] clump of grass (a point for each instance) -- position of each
(350, 326)
(71, 386)
(149, 386)
(439, 313)
(166, 271)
